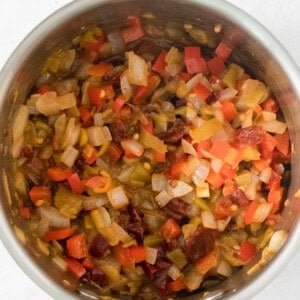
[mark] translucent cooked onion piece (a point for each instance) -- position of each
(55, 218)
(137, 69)
(90, 203)
(69, 156)
(177, 188)
(117, 197)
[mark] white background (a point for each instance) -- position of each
(18, 18)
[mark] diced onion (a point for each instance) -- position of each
(226, 94)
(137, 69)
(163, 198)
(174, 272)
(176, 188)
(201, 172)
(277, 240)
(151, 255)
(126, 88)
(274, 126)
(193, 280)
(107, 133)
(159, 182)
(208, 219)
(90, 203)
(216, 165)
(60, 263)
(174, 61)
(47, 104)
(265, 175)
(122, 235)
(132, 146)
(69, 156)
(55, 218)
(96, 136)
(98, 120)
(125, 174)
(202, 190)
(20, 122)
(117, 197)
(66, 101)
(262, 212)
(188, 148)
(71, 134)
(222, 224)
(224, 269)
(102, 164)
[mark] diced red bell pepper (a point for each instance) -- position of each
(44, 89)
(193, 61)
(203, 145)
(75, 267)
(249, 212)
(170, 230)
(247, 251)
(84, 113)
(59, 234)
(220, 149)
(147, 126)
(118, 103)
(215, 179)
(283, 143)
(229, 187)
(177, 168)
(204, 264)
(76, 246)
(98, 183)
(223, 51)
(229, 110)
(134, 31)
(261, 164)
(227, 171)
(222, 208)
(88, 263)
(216, 65)
(25, 212)
(267, 146)
(115, 152)
(185, 76)
(176, 285)
(40, 193)
(58, 174)
(143, 92)
(75, 183)
(101, 69)
(123, 256)
(138, 253)
(275, 196)
(99, 94)
(202, 91)
(159, 64)
(159, 157)
(270, 105)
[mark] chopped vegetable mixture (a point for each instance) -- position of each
(147, 172)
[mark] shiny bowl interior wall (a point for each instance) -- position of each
(254, 49)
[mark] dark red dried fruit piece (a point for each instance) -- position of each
(176, 209)
(97, 276)
(98, 246)
(200, 243)
(239, 198)
(174, 134)
(252, 135)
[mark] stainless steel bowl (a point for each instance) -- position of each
(255, 49)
